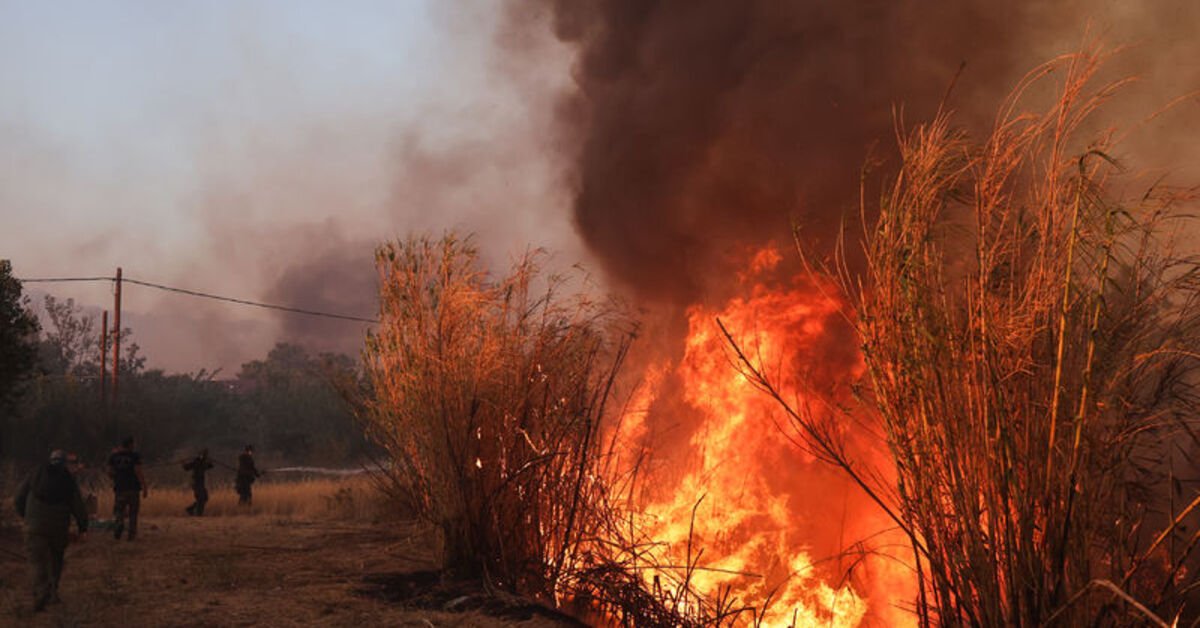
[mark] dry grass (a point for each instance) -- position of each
(1033, 370)
(238, 571)
(303, 555)
(355, 498)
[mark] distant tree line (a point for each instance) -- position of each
(287, 403)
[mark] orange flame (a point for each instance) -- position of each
(741, 507)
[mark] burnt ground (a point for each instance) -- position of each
(258, 571)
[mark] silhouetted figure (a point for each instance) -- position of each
(198, 466)
(246, 475)
(129, 486)
(46, 501)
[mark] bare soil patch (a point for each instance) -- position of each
(257, 571)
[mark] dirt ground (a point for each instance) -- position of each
(255, 571)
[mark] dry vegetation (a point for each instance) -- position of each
(354, 499)
(300, 557)
(489, 395)
(214, 571)
(1030, 336)
(1033, 371)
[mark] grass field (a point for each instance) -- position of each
(313, 553)
(349, 499)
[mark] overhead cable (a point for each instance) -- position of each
(206, 295)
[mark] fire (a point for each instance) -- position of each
(748, 495)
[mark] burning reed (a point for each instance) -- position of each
(1033, 370)
(488, 395)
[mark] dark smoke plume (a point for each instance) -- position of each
(711, 124)
(337, 276)
(704, 128)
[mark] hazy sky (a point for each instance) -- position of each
(261, 149)
(246, 148)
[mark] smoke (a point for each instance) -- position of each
(482, 162)
(335, 275)
(704, 129)
(708, 124)
(693, 133)
(255, 156)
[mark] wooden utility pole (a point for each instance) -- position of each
(116, 363)
(103, 359)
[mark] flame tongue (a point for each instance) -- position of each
(737, 501)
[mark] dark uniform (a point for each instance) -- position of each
(123, 466)
(47, 500)
(198, 466)
(246, 474)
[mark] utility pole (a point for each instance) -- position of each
(116, 363)
(103, 359)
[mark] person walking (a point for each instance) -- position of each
(129, 486)
(198, 466)
(47, 501)
(246, 474)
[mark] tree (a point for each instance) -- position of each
(18, 338)
(68, 344)
(292, 406)
(60, 405)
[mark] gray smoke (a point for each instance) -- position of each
(707, 125)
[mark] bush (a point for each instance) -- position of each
(488, 394)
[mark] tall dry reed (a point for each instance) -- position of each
(488, 393)
(1031, 337)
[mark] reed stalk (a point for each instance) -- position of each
(1031, 342)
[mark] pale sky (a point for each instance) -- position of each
(220, 146)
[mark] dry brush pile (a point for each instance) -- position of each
(1031, 337)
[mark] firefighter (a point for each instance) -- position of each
(125, 469)
(47, 501)
(198, 466)
(246, 474)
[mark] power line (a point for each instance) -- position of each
(269, 306)
(206, 295)
(62, 279)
